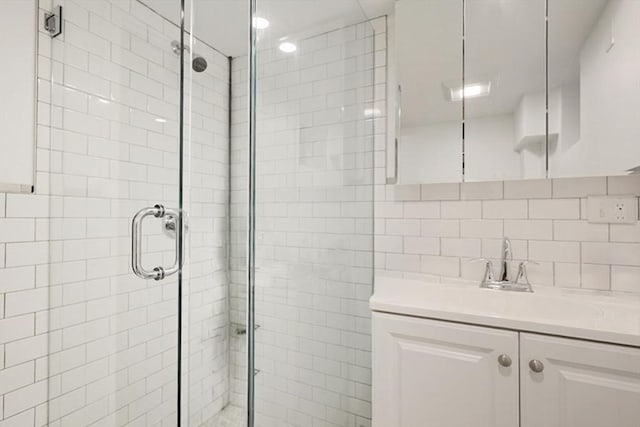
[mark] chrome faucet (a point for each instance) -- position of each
(504, 281)
(507, 258)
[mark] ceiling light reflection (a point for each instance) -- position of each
(260, 23)
(288, 47)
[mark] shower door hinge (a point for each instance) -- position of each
(242, 330)
(53, 21)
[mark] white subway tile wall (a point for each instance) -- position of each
(545, 219)
(315, 169)
(76, 327)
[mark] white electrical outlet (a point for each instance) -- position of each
(612, 209)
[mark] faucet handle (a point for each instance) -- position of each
(488, 272)
(522, 273)
(485, 260)
(523, 264)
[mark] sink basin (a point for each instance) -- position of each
(581, 314)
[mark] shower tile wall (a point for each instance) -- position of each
(314, 228)
(66, 289)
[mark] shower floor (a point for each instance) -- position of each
(230, 416)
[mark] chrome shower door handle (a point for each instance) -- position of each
(158, 273)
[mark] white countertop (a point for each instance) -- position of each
(593, 315)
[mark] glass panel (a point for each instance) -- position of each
(114, 150)
(217, 30)
(314, 174)
(505, 89)
(428, 66)
(594, 97)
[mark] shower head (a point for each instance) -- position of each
(199, 64)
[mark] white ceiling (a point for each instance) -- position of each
(223, 24)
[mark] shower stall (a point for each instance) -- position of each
(210, 169)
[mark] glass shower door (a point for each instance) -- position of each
(312, 180)
(206, 327)
(114, 156)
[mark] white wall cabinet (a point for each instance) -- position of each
(18, 75)
(430, 373)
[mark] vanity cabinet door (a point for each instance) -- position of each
(428, 373)
(578, 383)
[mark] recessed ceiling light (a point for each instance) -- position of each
(288, 47)
(471, 90)
(160, 120)
(260, 23)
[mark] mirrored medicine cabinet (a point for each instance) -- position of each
(488, 90)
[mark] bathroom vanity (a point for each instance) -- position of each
(451, 355)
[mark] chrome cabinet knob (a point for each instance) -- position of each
(536, 366)
(504, 360)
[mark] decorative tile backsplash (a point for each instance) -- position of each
(435, 231)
